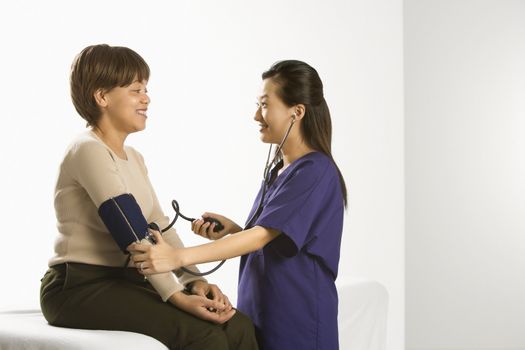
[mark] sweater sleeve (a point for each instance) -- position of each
(170, 236)
(93, 166)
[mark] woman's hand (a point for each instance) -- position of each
(202, 307)
(205, 229)
(210, 291)
(156, 258)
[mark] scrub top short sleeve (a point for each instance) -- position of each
(293, 205)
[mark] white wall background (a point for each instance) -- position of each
(465, 174)
(201, 144)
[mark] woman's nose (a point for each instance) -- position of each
(257, 116)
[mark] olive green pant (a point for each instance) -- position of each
(96, 297)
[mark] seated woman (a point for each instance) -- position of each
(89, 283)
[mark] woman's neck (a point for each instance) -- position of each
(113, 139)
(294, 151)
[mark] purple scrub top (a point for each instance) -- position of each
(288, 287)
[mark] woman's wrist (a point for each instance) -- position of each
(180, 258)
(176, 298)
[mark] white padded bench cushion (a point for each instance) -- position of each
(29, 330)
(363, 308)
(362, 326)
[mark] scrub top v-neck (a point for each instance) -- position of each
(288, 287)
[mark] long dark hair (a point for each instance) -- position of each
(299, 83)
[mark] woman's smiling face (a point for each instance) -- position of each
(127, 106)
(272, 114)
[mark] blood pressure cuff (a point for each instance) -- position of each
(124, 220)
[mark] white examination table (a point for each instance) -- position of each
(362, 326)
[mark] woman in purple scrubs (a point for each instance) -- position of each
(290, 245)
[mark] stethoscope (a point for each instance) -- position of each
(267, 170)
(218, 226)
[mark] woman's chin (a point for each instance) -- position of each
(265, 139)
(140, 126)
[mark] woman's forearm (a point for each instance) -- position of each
(231, 246)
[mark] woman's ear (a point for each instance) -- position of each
(101, 98)
(298, 111)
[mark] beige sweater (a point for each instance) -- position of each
(89, 175)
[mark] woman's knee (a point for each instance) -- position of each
(211, 337)
(240, 332)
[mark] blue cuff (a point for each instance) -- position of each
(124, 220)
